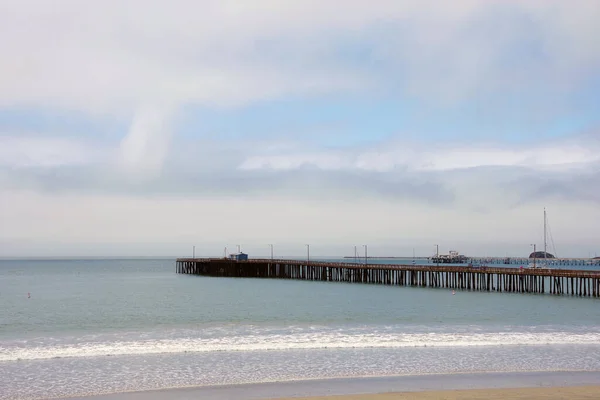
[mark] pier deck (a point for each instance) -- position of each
(484, 278)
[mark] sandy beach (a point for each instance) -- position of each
(494, 386)
(552, 393)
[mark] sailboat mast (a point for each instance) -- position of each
(545, 243)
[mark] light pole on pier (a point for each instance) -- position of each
(271, 251)
(194, 252)
(437, 255)
(308, 253)
(365, 246)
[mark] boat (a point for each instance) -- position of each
(543, 264)
(453, 257)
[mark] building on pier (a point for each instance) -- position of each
(239, 256)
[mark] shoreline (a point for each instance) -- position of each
(581, 384)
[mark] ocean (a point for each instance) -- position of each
(84, 327)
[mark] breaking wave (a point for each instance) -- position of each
(307, 339)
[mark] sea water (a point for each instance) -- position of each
(78, 327)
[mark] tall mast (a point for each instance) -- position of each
(544, 233)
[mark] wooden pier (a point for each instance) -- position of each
(484, 278)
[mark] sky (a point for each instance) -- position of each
(137, 128)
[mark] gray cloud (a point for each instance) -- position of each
(211, 168)
(214, 174)
(469, 177)
(580, 186)
(473, 177)
(307, 183)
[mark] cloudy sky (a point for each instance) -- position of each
(146, 127)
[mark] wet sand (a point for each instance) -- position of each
(552, 393)
(471, 386)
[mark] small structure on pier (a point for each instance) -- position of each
(239, 256)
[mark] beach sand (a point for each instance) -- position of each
(552, 393)
(492, 386)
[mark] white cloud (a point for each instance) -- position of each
(17, 151)
(144, 148)
(115, 56)
(434, 158)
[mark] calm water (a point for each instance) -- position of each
(116, 325)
